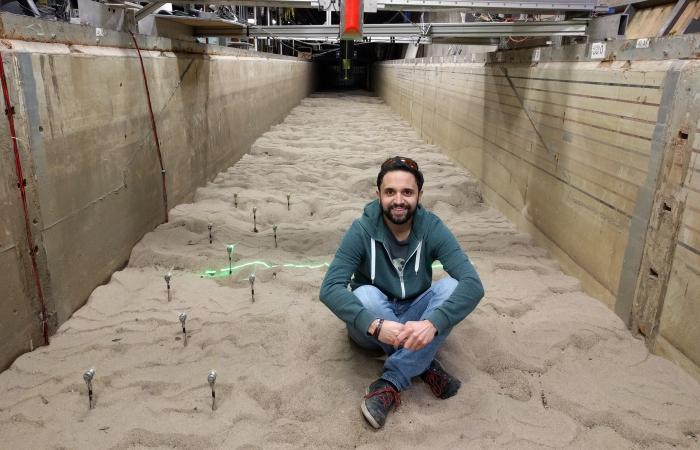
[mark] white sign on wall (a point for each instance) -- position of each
(643, 43)
(597, 50)
(536, 54)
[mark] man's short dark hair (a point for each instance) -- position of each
(400, 163)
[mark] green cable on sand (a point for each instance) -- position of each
(228, 272)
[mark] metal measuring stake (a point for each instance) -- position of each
(251, 278)
(235, 200)
(183, 318)
(274, 231)
(255, 225)
(229, 249)
(168, 276)
(210, 226)
(211, 378)
(289, 196)
(88, 376)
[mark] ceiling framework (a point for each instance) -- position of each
(470, 32)
(425, 5)
(479, 32)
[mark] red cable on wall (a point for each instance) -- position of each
(9, 112)
(153, 125)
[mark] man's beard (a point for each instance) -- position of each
(398, 221)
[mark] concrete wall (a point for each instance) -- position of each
(19, 305)
(678, 330)
(575, 152)
(88, 150)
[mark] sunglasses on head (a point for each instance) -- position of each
(400, 160)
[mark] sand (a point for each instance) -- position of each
(543, 364)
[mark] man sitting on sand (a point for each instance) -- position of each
(394, 305)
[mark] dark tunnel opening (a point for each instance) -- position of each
(349, 66)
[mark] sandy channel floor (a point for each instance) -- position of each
(543, 365)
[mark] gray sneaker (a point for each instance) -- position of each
(376, 404)
(441, 383)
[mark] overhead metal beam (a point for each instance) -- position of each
(426, 5)
(672, 17)
(215, 25)
(505, 29)
(483, 5)
(148, 9)
(435, 31)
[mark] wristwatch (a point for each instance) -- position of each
(377, 329)
(372, 327)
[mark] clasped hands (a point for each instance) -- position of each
(413, 335)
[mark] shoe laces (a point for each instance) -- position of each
(387, 395)
(437, 381)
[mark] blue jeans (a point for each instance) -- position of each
(402, 364)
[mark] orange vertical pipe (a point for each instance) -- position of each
(352, 17)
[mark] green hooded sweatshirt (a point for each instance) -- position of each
(364, 253)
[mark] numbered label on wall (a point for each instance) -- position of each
(643, 43)
(597, 50)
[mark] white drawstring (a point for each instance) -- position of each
(418, 256)
(373, 257)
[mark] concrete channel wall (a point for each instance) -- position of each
(596, 158)
(87, 148)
